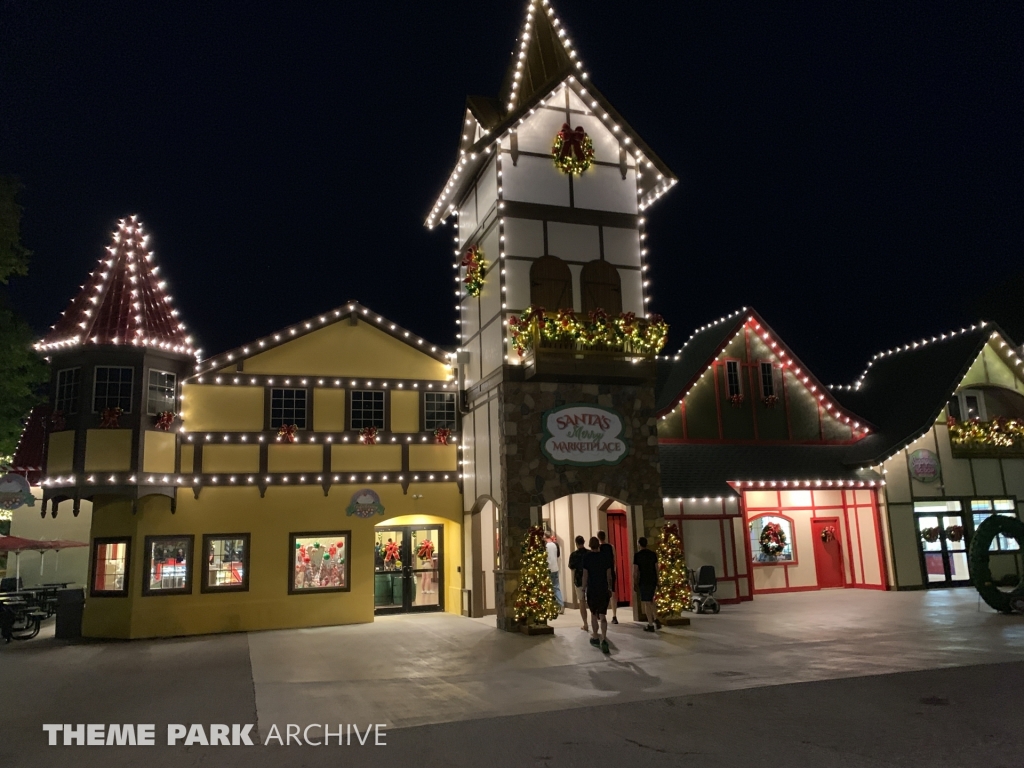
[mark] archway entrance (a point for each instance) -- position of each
(408, 569)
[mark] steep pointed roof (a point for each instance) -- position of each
(544, 60)
(123, 302)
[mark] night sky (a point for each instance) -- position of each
(852, 170)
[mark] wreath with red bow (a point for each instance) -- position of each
(955, 533)
(573, 150)
(931, 535)
(426, 550)
(770, 401)
(368, 435)
(441, 435)
(287, 432)
(773, 540)
(109, 417)
(391, 552)
(828, 533)
(164, 419)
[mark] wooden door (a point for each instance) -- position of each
(828, 552)
(618, 537)
(601, 287)
(550, 284)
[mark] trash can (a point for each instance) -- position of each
(70, 603)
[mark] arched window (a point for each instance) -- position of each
(550, 283)
(601, 287)
(778, 545)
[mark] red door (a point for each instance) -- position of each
(618, 537)
(828, 552)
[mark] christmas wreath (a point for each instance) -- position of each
(931, 535)
(475, 265)
(772, 540)
(770, 401)
(442, 435)
(287, 432)
(978, 555)
(573, 150)
(368, 435)
(736, 400)
(828, 533)
(955, 533)
(426, 550)
(391, 553)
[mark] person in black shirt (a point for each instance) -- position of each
(576, 566)
(597, 576)
(609, 552)
(645, 576)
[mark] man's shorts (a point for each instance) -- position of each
(647, 593)
(597, 601)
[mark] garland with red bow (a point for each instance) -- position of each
(441, 435)
(287, 432)
(426, 550)
(164, 419)
(109, 417)
(475, 265)
(368, 435)
(573, 150)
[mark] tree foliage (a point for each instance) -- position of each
(23, 374)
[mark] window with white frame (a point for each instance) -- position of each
(160, 396)
(367, 409)
(113, 388)
(438, 410)
(68, 381)
(767, 380)
(982, 509)
(968, 405)
(771, 539)
(732, 377)
(287, 407)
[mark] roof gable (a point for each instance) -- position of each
(123, 302)
(543, 62)
(680, 374)
(280, 348)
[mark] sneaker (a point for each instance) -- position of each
(595, 642)
(649, 628)
(604, 647)
(657, 624)
(615, 619)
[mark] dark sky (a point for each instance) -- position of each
(853, 170)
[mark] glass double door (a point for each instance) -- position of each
(943, 545)
(408, 569)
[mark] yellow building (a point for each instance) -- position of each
(308, 478)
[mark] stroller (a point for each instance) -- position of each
(703, 585)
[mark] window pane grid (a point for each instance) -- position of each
(732, 371)
(168, 560)
(767, 380)
(161, 392)
(113, 389)
(288, 406)
(67, 390)
(439, 410)
(109, 568)
(367, 409)
(225, 562)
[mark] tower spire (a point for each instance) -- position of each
(543, 58)
(124, 302)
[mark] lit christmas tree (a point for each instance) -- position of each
(535, 595)
(673, 595)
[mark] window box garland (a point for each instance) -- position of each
(109, 417)
(1000, 433)
(597, 330)
(736, 400)
(164, 420)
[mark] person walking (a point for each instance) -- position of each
(576, 566)
(554, 552)
(645, 576)
(597, 577)
(609, 552)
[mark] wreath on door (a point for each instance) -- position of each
(931, 535)
(828, 533)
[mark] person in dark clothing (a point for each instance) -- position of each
(609, 552)
(597, 577)
(645, 576)
(576, 566)
(6, 623)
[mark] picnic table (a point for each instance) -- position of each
(21, 616)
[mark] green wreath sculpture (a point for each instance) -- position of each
(978, 556)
